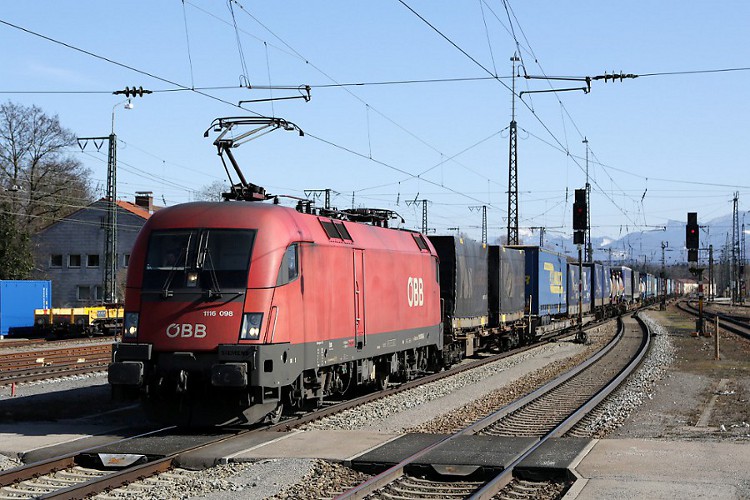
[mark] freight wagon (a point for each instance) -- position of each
(507, 267)
(464, 275)
(482, 292)
(73, 321)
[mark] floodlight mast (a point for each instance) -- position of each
(244, 190)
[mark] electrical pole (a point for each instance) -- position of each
(424, 203)
(743, 262)
(735, 250)
(587, 239)
(711, 287)
(316, 194)
(513, 164)
(541, 230)
(484, 221)
(664, 246)
(110, 244)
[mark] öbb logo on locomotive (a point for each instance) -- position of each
(415, 292)
(186, 330)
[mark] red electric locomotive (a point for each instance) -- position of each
(236, 309)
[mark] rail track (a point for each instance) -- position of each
(551, 411)
(17, 344)
(17, 366)
(731, 323)
(72, 476)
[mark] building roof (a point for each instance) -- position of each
(125, 205)
(132, 208)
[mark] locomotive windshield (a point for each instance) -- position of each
(208, 259)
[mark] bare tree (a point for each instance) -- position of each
(211, 192)
(40, 181)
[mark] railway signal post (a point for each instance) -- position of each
(692, 243)
(580, 216)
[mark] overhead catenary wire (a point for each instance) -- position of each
(117, 63)
(564, 149)
(187, 40)
(533, 113)
(183, 87)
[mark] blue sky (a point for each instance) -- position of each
(680, 139)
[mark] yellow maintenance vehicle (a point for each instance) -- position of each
(73, 321)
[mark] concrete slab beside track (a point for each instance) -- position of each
(614, 468)
(23, 439)
(336, 446)
(641, 468)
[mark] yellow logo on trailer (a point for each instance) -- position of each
(555, 279)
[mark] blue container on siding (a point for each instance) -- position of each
(18, 299)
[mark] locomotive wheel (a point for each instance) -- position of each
(382, 381)
(295, 396)
(274, 416)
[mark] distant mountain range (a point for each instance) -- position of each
(645, 246)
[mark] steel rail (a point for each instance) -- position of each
(728, 323)
(496, 484)
(159, 465)
(293, 422)
(390, 475)
(58, 371)
(48, 466)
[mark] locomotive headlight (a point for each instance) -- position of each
(131, 325)
(251, 323)
(192, 279)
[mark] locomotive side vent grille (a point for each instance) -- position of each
(419, 240)
(335, 230)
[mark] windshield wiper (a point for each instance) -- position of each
(165, 291)
(215, 290)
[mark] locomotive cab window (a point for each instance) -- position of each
(207, 259)
(289, 269)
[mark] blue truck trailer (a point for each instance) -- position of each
(18, 299)
(546, 281)
(573, 295)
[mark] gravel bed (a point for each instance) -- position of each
(73, 396)
(247, 480)
(325, 480)
(313, 479)
(8, 462)
(56, 384)
(409, 411)
(274, 479)
(638, 388)
(458, 419)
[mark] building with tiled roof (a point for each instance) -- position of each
(70, 252)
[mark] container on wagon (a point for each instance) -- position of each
(18, 299)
